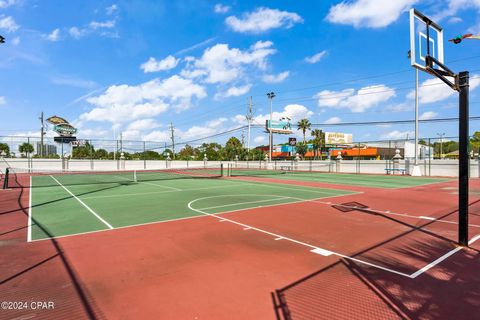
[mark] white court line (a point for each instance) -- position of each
(240, 203)
(290, 239)
(157, 192)
(29, 226)
(445, 256)
(159, 185)
(83, 203)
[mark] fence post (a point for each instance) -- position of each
(429, 159)
(144, 157)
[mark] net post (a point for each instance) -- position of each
(221, 169)
(5, 179)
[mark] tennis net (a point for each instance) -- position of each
(17, 177)
(272, 169)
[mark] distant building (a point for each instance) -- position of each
(48, 149)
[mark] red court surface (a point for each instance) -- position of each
(389, 260)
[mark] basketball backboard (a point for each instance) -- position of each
(426, 39)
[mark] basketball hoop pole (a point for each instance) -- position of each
(462, 86)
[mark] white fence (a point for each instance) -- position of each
(428, 167)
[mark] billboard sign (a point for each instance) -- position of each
(338, 138)
(276, 126)
(292, 141)
(63, 128)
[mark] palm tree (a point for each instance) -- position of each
(319, 138)
(304, 125)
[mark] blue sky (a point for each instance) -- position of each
(135, 66)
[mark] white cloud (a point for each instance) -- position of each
(359, 101)
(260, 139)
(333, 120)
(16, 41)
(454, 6)
(2, 100)
(157, 136)
(53, 36)
(396, 134)
(272, 78)
(215, 123)
(316, 57)
(455, 20)
(428, 115)
(368, 13)
(7, 3)
(234, 91)
(72, 82)
(8, 24)
(263, 19)
(400, 107)
(220, 64)
(142, 125)
(124, 103)
(106, 24)
(111, 9)
(77, 33)
(152, 65)
(293, 111)
(220, 8)
(434, 90)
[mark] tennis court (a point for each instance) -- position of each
(201, 231)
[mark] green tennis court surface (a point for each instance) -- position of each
(374, 181)
(72, 204)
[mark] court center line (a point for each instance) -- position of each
(29, 227)
(83, 203)
(159, 185)
(291, 240)
(248, 202)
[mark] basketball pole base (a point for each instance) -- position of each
(416, 171)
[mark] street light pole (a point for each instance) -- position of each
(441, 135)
(270, 96)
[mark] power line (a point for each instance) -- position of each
(365, 123)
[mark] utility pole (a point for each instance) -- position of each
(270, 96)
(243, 139)
(172, 130)
(42, 133)
(249, 118)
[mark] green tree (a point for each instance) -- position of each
(301, 148)
(4, 149)
(83, 152)
(233, 148)
(256, 154)
(25, 149)
(101, 154)
(304, 125)
(475, 142)
(212, 150)
(318, 141)
(188, 153)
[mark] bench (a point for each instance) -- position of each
(286, 168)
(393, 170)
